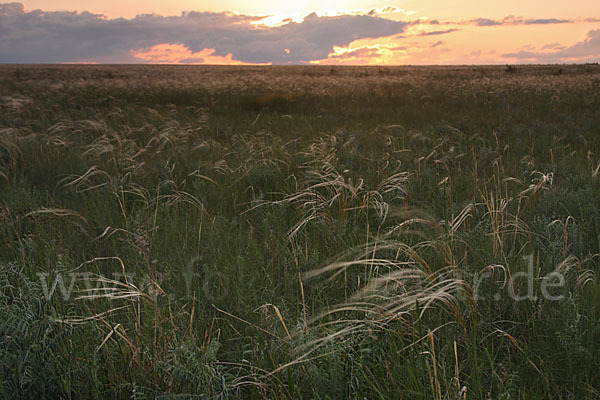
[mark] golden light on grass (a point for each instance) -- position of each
(303, 231)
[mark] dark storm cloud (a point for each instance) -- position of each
(45, 37)
(586, 50)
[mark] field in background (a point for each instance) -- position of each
(300, 232)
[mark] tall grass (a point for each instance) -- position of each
(299, 232)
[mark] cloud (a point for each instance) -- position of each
(414, 30)
(436, 33)
(544, 21)
(175, 53)
(12, 8)
(387, 10)
(553, 46)
(364, 52)
(485, 22)
(353, 56)
(436, 44)
(587, 50)
(512, 20)
(52, 37)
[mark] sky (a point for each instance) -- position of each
(351, 32)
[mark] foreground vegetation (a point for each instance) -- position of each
(299, 232)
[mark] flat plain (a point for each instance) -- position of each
(300, 232)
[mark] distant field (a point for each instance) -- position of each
(300, 232)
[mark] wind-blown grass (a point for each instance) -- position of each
(301, 232)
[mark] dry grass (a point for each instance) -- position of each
(289, 232)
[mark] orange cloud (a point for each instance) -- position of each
(176, 53)
(357, 55)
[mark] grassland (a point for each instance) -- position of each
(300, 232)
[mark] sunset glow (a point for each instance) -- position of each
(305, 32)
(174, 53)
